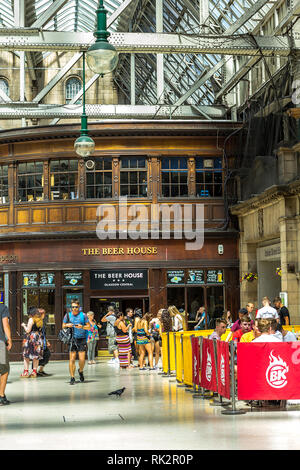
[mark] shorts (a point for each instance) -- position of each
(156, 337)
(4, 364)
(112, 345)
(78, 344)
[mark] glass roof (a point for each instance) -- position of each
(179, 16)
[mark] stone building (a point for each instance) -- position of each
(269, 234)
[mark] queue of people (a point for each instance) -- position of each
(133, 335)
(265, 326)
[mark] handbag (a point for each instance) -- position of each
(66, 334)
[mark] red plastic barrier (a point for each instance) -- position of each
(223, 369)
(196, 360)
(268, 371)
(208, 366)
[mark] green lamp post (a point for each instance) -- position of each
(102, 57)
(84, 145)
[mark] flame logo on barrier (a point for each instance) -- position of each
(195, 366)
(276, 372)
(222, 371)
(208, 371)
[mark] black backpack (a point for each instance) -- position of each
(66, 334)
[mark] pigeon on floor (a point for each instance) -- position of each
(118, 392)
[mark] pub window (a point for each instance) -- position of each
(215, 301)
(64, 179)
(174, 173)
(39, 291)
(209, 177)
(99, 179)
(30, 181)
(73, 86)
(175, 296)
(133, 177)
(3, 184)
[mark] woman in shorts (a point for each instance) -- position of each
(141, 327)
(156, 332)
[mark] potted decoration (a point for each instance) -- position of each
(278, 271)
(250, 277)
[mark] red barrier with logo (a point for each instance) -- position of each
(268, 371)
(208, 366)
(223, 369)
(196, 360)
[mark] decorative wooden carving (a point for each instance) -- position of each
(115, 177)
(46, 188)
(192, 176)
(81, 174)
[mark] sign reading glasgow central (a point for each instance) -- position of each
(119, 279)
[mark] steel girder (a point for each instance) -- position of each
(181, 27)
(148, 43)
(251, 62)
(17, 110)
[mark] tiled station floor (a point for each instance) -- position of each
(153, 413)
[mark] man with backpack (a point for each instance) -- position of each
(110, 319)
(78, 321)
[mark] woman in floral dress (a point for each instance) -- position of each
(33, 341)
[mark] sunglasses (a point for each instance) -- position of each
(75, 307)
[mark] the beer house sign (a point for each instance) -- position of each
(119, 279)
(109, 251)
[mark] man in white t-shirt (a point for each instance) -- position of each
(287, 336)
(265, 328)
(267, 311)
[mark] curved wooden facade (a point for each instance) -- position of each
(47, 236)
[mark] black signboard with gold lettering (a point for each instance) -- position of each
(119, 279)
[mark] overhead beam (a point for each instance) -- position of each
(249, 64)
(150, 43)
(235, 26)
(31, 111)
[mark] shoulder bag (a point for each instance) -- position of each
(66, 334)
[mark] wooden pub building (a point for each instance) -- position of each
(51, 207)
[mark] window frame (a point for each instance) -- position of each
(73, 94)
(173, 170)
(53, 191)
(209, 185)
(4, 192)
(102, 172)
(27, 176)
(137, 170)
(5, 80)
